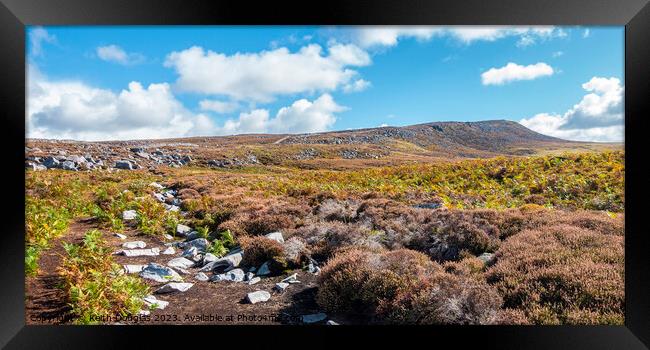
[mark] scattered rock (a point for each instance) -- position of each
(264, 270)
(152, 301)
(249, 276)
(182, 230)
(51, 162)
(236, 275)
(331, 323)
(487, 258)
(168, 237)
(259, 296)
(129, 215)
(190, 252)
(181, 263)
(254, 280)
(169, 251)
(281, 286)
(174, 287)
(160, 273)
(276, 236)
(124, 164)
(134, 245)
(68, 165)
(201, 277)
(119, 235)
(201, 244)
(312, 268)
(140, 252)
(291, 278)
(156, 185)
(133, 268)
(313, 318)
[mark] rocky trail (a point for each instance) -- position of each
(45, 298)
(188, 284)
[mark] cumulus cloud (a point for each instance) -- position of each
(597, 117)
(514, 72)
(116, 54)
(74, 110)
(387, 36)
(356, 86)
(218, 106)
(262, 76)
(37, 37)
(303, 116)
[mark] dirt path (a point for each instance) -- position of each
(220, 302)
(205, 303)
(45, 301)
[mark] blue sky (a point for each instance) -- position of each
(98, 83)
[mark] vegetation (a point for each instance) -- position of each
(554, 224)
(97, 288)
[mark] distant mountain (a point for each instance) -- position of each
(498, 136)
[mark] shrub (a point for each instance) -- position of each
(403, 287)
(258, 250)
(332, 209)
(445, 298)
(95, 285)
(325, 238)
(295, 251)
(562, 274)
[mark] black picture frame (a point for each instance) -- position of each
(633, 14)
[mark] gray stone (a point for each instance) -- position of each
(119, 235)
(264, 270)
(487, 258)
(133, 268)
(313, 318)
(236, 275)
(201, 244)
(276, 236)
(254, 280)
(172, 207)
(180, 263)
(182, 230)
(134, 245)
(168, 237)
(201, 277)
(331, 323)
(151, 301)
(51, 162)
(159, 197)
(311, 268)
(156, 185)
(124, 164)
(169, 251)
(259, 296)
(281, 286)
(140, 252)
(293, 277)
(129, 215)
(249, 276)
(68, 165)
(160, 273)
(190, 252)
(174, 287)
(209, 257)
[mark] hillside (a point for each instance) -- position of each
(336, 149)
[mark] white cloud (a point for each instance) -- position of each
(218, 106)
(514, 72)
(37, 37)
(389, 35)
(597, 117)
(557, 54)
(586, 33)
(74, 110)
(386, 36)
(262, 76)
(303, 116)
(114, 53)
(356, 86)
